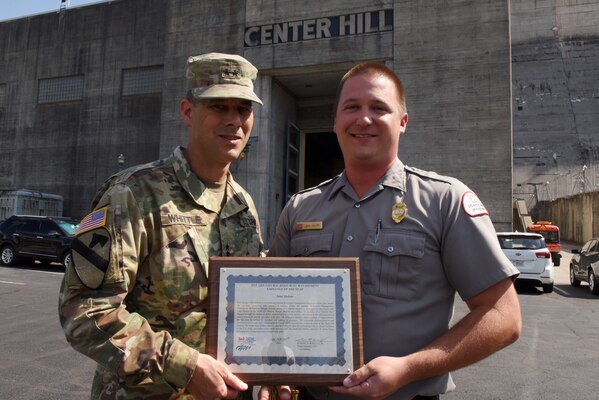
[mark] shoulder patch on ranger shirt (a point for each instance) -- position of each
(472, 205)
(91, 256)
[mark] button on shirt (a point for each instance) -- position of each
(410, 268)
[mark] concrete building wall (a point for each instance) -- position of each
(576, 216)
(452, 56)
(70, 148)
(555, 46)
(272, 145)
(454, 60)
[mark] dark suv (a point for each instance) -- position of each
(585, 265)
(36, 238)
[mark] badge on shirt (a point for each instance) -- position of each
(472, 205)
(399, 212)
(91, 256)
(308, 226)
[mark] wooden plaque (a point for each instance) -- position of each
(285, 321)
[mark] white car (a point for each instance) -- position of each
(529, 253)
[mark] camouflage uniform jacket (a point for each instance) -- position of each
(135, 298)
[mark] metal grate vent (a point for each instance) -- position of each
(66, 88)
(138, 81)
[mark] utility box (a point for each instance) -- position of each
(29, 202)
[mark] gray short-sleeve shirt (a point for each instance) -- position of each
(420, 237)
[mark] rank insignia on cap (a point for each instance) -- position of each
(472, 205)
(308, 226)
(230, 73)
(91, 256)
(399, 212)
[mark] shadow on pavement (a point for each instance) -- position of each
(527, 288)
(581, 292)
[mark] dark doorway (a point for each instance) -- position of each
(323, 158)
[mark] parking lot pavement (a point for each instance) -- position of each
(36, 361)
(556, 355)
(555, 358)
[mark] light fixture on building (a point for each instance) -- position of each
(246, 149)
(121, 161)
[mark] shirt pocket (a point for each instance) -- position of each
(315, 244)
(177, 275)
(393, 263)
(240, 237)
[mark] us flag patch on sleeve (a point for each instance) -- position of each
(93, 220)
(472, 205)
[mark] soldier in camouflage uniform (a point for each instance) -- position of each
(135, 299)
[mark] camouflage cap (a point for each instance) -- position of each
(218, 75)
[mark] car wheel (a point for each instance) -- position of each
(593, 283)
(67, 259)
(8, 256)
(573, 281)
(548, 287)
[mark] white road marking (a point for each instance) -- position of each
(12, 283)
(48, 272)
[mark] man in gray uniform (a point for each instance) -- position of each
(420, 238)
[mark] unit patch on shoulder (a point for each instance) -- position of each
(93, 220)
(472, 205)
(91, 256)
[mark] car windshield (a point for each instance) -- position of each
(550, 236)
(68, 226)
(521, 242)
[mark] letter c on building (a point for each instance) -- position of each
(249, 32)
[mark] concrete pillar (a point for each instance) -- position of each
(587, 217)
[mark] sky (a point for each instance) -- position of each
(10, 9)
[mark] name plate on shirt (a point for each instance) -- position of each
(278, 321)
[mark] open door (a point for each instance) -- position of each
(292, 161)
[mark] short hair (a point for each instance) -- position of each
(189, 96)
(377, 69)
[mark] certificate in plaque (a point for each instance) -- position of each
(285, 320)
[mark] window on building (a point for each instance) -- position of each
(2, 95)
(66, 88)
(139, 81)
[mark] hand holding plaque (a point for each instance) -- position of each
(285, 320)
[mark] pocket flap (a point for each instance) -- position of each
(306, 245)
(397, 243)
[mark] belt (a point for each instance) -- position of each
(436, 397)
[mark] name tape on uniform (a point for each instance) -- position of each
(177, 219)
(308, 226)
